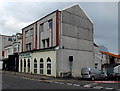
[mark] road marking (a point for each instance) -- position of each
(105, 81)
(108, 88)
(56, 82)
(89, 85)
(76, 85)
(98, 87)
(61, 83)
(68, 83)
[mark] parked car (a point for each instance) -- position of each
(114, 76)
(111, 76)
(93, 73)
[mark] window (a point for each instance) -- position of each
(41, 66)
(26, 34)
(24, 65)
(47, 40)
(42, 27)
(50, 24)
(43, 42)
(31, 31)
(28, 46)
(35, 66)
(9, 39)
(49, 66)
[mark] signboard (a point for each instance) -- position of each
(26, 55)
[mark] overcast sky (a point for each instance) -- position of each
(17, 15)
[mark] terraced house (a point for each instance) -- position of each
(59, 42)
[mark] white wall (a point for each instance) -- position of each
(38, 55)
(1, 64)
(80, 59)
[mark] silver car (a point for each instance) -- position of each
(93, 73)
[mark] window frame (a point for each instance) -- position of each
(41, 27)
(50, 24)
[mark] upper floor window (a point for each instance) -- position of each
(42, 27)
(43, 42)
(50, 23)
(31, 31)
(47, 41)
(9, 39)
(28, 46)
(26, 34)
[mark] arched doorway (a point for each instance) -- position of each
(49, 66)
(41, 66)
(35, 66)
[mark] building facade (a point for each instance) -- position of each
(4, 41)
(11, 53)
(60, 42)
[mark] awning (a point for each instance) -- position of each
(110, 65)
(110, 54)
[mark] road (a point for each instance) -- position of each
(15, 82)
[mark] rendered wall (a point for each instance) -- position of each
(38, 55)
(76, 39)
(47, 33)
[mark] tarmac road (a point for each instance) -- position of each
(18, 82)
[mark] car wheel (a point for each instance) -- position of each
(92, 78)
(117, 78)
(106, 78)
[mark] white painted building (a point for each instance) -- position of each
(4, 41)
(60, 42)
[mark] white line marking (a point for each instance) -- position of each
(55, 82)
(108, 88)
(89, 85)
(98, 87)
(61, 83)
(76, 85)
(68, 83)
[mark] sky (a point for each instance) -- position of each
(16, 15)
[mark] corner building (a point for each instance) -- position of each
(60, 42)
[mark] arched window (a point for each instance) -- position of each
(49, 66)
(24, 65)
(28, 65)
(21, 65)
(41, 66)
(35, 66)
